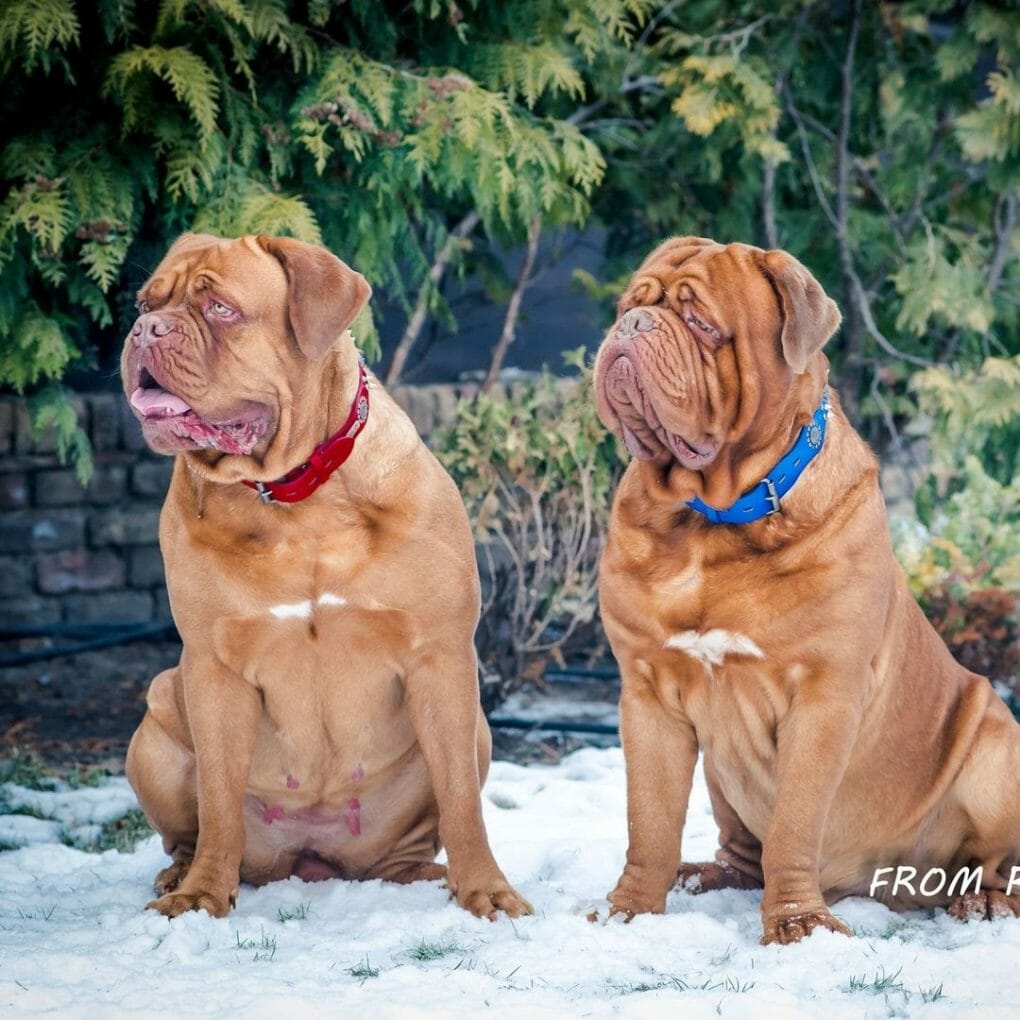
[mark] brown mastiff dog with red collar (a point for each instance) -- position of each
(324, 720)
(769, 625)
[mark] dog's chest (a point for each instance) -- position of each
(313, 636)
(328, 670)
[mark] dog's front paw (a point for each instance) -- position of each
(984, 906)
(487, 894)
(176, 903)
(786, 928)
(640, 891)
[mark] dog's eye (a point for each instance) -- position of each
(699, 324)
(141, 306)
(219, 308)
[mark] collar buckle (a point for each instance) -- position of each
(264, 494)
(771, 497)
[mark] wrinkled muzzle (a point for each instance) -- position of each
(642, 393)
(154, 357)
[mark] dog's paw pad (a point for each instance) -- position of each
(984, 906)
(785, 931)
(176, 903)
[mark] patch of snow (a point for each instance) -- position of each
(76, 942)
(66, 815)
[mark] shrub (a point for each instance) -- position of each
(537, 472)
(962, 551)
(982, 630)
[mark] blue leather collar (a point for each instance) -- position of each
(763, 499)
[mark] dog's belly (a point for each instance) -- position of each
(346, 833)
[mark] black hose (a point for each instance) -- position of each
(63, 630)
(553, 725)
(121, 634)
(590, 672)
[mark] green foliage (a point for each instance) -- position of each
(24, 771)
(40, 30)
(370, 127)
(967, 536)
(716, 89)
(941, 284)
(51, 408)
(450, 137)
(539, 440)
(537, 471)
(25, 768)
(971, 540)
(123, 834)
(976, 410)
(878, 142)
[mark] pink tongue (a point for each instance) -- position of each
(155, 403)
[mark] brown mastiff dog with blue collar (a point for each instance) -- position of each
(324, 720)
(753, 603)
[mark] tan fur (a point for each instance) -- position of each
(854, 740)
(324, 719)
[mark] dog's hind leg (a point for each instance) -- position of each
(985, 793)
(161, 769)
(738, 859)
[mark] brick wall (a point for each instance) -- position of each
(77, 555)
(69, 554)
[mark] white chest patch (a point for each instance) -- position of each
(711, 647)
(292, 610)
(303, 610)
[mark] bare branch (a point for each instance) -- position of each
(868, 320)
(513, 310)
(647, 81)
(768, 203)
(816, 180)
(1003, 223)
(843, 139)
(886, 411)
(414, 324)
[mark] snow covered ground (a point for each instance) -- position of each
(75, 942)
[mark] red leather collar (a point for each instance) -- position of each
(296, 485)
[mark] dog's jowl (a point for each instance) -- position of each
(324, 719)
(753, 603)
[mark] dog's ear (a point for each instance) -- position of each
(809, 315)
(324, 295)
